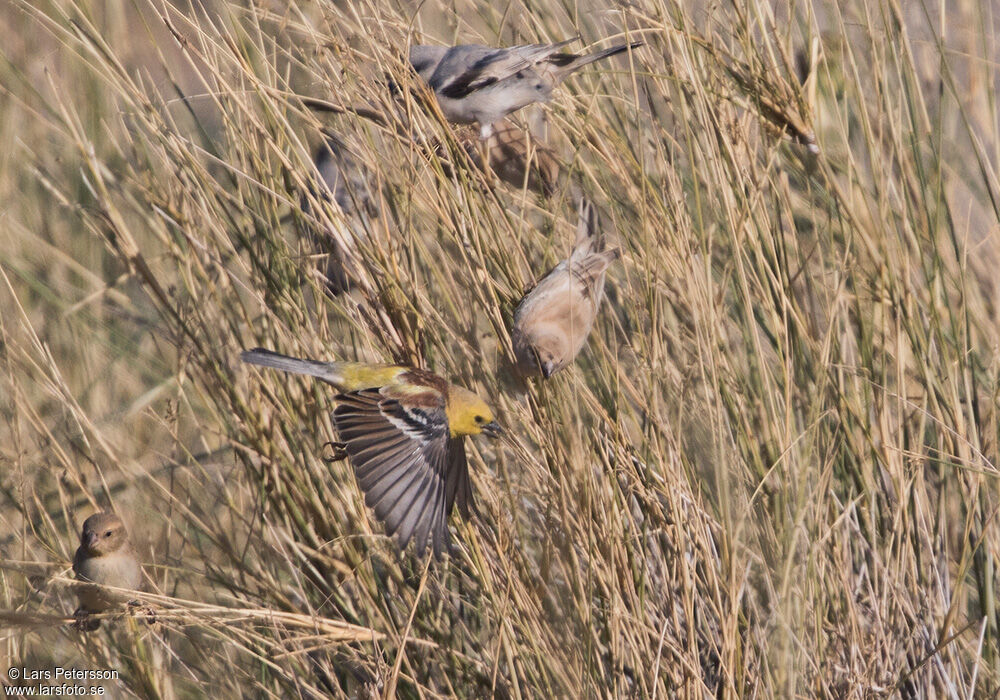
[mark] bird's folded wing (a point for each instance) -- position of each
(588, 271)
(78, 559)
(456, 81)
(459, 80)
(400, 450)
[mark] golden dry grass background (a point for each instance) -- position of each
(770, 474)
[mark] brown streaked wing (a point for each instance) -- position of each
(422, 378)
(589, 270)
(402, 459)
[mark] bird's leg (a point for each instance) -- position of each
(83, 622)
(486, 133)
(135, 608)
(339, 452)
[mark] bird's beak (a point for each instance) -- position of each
(548, 369)
(493, 429)
(92, 539)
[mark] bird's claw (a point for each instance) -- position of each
(338, 454)
(136, 609)
(84, 623)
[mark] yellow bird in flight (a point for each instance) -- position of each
(404, 430)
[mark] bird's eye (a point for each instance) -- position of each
(479, 419)
(108, 533)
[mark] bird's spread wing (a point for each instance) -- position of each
(407, 465)
(458, 487)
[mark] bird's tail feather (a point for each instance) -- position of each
(590, 257)
(536, 52)
(579, 62)
(589, 236)
(329, 372)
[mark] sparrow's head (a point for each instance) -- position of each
(469, 415)
(548, 365)
(103, 533)
(544, 351)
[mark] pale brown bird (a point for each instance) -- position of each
(553, 320)
(106, 558)
(518, 156)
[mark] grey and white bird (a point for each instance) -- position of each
(481, 84)
(105, 558)
(553, 320)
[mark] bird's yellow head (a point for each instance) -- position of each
(469, 415)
